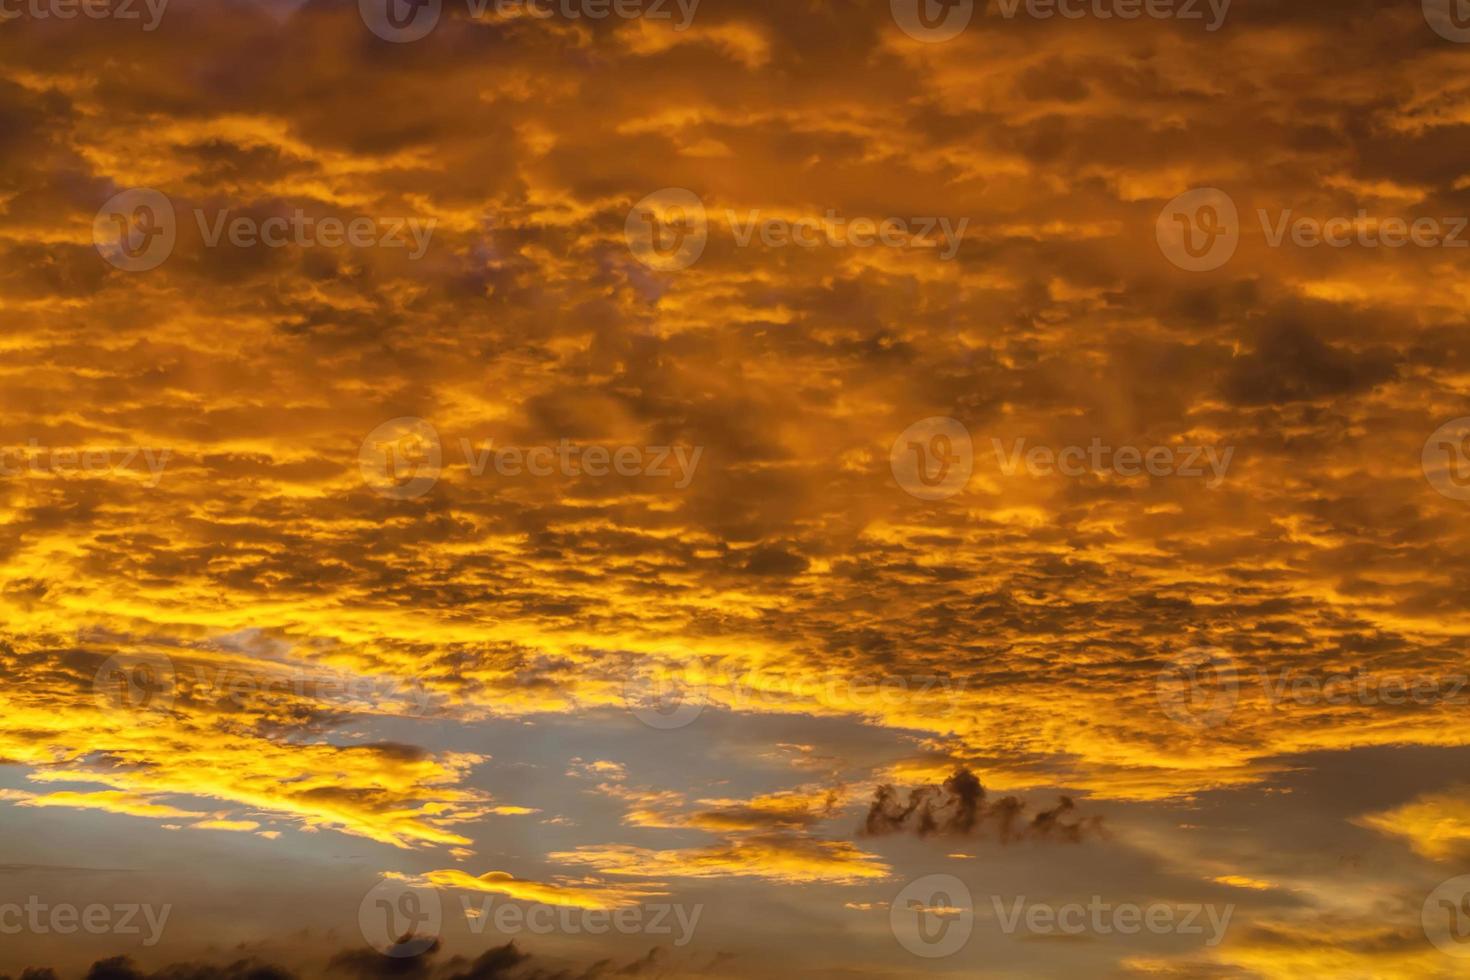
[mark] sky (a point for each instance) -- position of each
(855, 489)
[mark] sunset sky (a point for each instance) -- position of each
(816, 477)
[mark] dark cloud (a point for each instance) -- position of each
(506, 962)
(959, 808)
